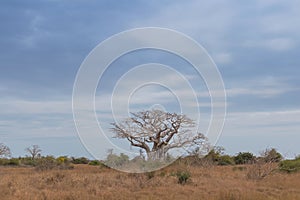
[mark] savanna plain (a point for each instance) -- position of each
(98, 182)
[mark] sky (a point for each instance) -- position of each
(254, 44)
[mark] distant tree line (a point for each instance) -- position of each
(40, 162)
(218, 157)
(215, 156)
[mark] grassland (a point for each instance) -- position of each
(94, 182)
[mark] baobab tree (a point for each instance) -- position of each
(157, 132)
(34, 151)
(4, 150)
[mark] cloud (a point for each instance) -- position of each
(279, 17)
(192, 18)
(31, 107)
(262, 87)
(276, 122)
(280, 44)
(274, 44)
(262, 92)
(222, 58)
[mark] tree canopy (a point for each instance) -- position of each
(34, 151)
(4, 150)
(157, 132)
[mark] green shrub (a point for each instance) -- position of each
(216, 156)
(95, 162)
(28, 161)
(102, 165)
(183, 176)
(226, 160)
(81, 160)
(271, 155)
(162, 174)
(244, 158)
(62, 159)
(49, 162)
(13, 162)
(213, 155)
(3, 161)
(290, 165)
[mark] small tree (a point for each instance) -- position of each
(216, 156)
(215, 153)
(156, 132)
(271, 155)
(116, 161)
(4, 151)
(244, 158)
(34, 151)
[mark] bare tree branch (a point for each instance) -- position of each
(4, 151)
(157, 132)
(34, 151)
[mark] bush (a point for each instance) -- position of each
(46, 163)
(260, 170)
(81, 160)
(244, 158)
(226, 160)
(214, 155)
(3, 161)
(114, 160)
(49, 162)
(28, 161)
(13, 162)
(10, 162)
(183, 176)
(290, 165)
(95, 162)
(62, 159)
(271, 155)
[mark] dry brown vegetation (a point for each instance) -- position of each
(94, 182)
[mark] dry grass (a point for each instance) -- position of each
(92, 182)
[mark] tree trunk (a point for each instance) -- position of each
(156, 155)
